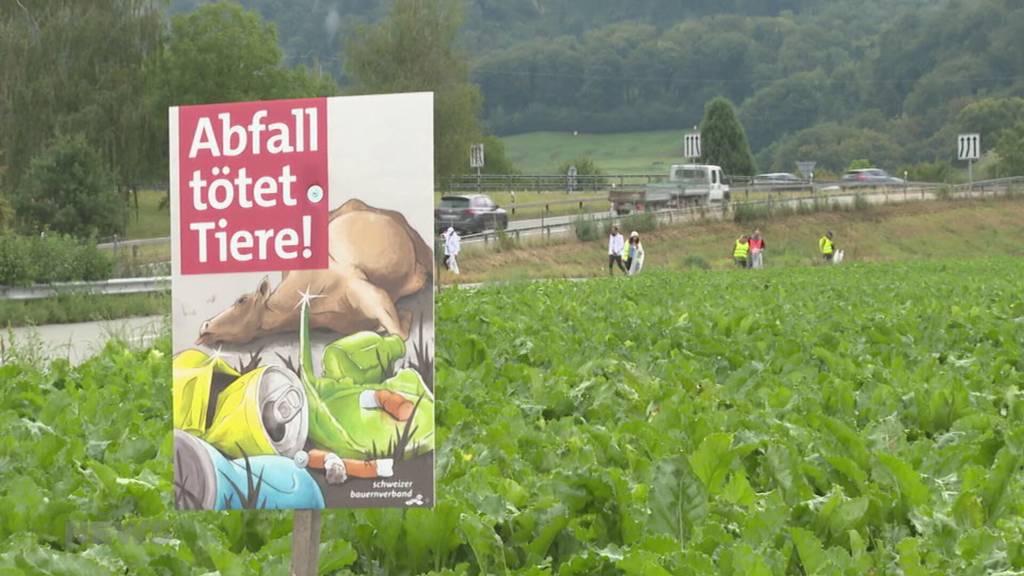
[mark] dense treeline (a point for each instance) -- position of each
(881, 80)
(896, 76)
(85, 86)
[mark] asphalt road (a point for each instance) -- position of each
(77, 342)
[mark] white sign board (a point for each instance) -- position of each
(691, 145)
(476, 156)
(806, 168)
(968, 147)
(285, 216)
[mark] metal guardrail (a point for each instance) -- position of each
(116, 244)
(544, 182)
(907, 191)
(106, 287)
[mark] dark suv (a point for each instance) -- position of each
(469, 214)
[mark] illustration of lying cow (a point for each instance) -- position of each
(375, 259)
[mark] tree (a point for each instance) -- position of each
(496, 159)
(415, 49)
(723, 141)
(76, 67)
(834, 147)
(785, 106)
(224, 53)
(1011, 151)
(221, 53)
(989, 117)
(68, 189)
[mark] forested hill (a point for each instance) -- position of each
(840, 76)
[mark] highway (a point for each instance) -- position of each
(77, 342)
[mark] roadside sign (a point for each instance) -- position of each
(968, 147)
(571, 178)
(806, 168)
(272, 206)
(476, 156)
(691, 145)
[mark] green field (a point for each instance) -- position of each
(863, 419)
(623, 153)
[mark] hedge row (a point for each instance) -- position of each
(26, 260)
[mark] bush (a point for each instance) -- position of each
(641, 222)
(584, 167)
(938, 171)
(694, 261)
(860, 203)
(747, 213)
(68, 189)
(26, 260)
(505, 242)
(586, 229)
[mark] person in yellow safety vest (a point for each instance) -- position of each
(739, 252)
(826, 246)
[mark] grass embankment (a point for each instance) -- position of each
(153, 219)
(631, 152)
(69, 308)
(939, 229)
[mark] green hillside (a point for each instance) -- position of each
(630, 152)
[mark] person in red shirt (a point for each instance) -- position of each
(756, 259)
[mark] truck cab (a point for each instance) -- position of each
(687, 184)
(700, 181)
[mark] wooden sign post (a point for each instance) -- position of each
(305, 542)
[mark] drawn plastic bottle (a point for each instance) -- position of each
(363, 357)
(206, 479)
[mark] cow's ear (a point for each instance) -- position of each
(263, 290)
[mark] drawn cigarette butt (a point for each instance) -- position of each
(339, 469)
(398, 406)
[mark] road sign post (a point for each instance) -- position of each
(571, 179)
(806, 169)
(476, 160)
(968, 147)
(691, 145)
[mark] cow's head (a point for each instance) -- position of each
(240, 323)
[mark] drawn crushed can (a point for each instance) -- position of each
(195, 373)
(263, 412)
(205, 479)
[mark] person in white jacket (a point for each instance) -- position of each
(452, 245)
(615, 245)
(444, 241)
(636, 254)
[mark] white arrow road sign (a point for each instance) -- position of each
(691, 145)
(476, 156)
(968, 147)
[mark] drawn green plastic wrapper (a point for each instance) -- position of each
(342, 415)
(195, 373)
(205, 479)
(363, 357)
(262, 412)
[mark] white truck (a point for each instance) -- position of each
(686, 184)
